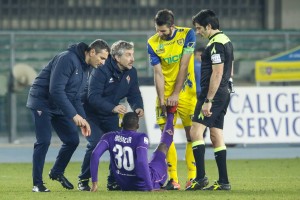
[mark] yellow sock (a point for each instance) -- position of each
(190, 161)
(172, 163)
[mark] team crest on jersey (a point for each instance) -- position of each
(146, 141)
(160, 49)
(170, 132)
(180, 42)
(128, 79)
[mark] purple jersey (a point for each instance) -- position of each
(128, 158)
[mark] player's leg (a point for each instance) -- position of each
(190, 163)
(198, 146)
(67, 132)
(216, 120)
(43, 137)
(220, 152)
(186, 111)
(172, 166)
(172, 153)
(158, 166)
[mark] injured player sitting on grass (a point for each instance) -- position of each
(129, 155)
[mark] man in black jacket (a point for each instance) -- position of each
(55, 100)
(107, 86)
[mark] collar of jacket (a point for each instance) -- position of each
(79, 49)
(114, 68)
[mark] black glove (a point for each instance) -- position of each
(230, 85)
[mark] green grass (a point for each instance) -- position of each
(250, 179)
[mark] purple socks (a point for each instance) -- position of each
(168, 132)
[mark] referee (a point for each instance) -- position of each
(217, 65)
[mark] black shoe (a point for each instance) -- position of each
(219, 186)
(198, 184)
(113, 186)
(40, 188)
(63, 180)
(172, 185)
(83, 185)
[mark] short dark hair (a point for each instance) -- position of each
(130, 121)
(164, 17)
(99, 45)
(205, 17)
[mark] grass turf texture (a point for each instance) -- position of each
(250, 179)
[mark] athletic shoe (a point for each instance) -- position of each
(172, 185)
(62, 179)
(83, 185)
(219, 186)
(198, 184)
(188, 183)
(171, 109)
(40, 188)
(113, 186)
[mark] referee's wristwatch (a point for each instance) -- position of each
(208, 100)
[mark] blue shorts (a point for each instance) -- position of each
(158, 169)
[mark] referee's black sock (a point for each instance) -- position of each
(199, 151)
(220, 157)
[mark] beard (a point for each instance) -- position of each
(165, 37)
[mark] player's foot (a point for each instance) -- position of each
(113, 186)
(188, 183)
(198, 184)
(219, 186)
(171, 109)
(83, 185)
(62, 179)
(172, 185)
(40, 188)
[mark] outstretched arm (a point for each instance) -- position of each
(101, 147)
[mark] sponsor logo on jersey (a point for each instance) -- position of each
(111, 80)
(173, 59)
(169, 43)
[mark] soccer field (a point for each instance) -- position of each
(250, 179)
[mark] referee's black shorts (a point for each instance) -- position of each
(218, 109)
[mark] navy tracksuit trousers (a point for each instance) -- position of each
(66, 130)
(98, 128)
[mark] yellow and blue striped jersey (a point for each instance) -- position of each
(168, 53)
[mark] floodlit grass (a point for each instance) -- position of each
(250, 179)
